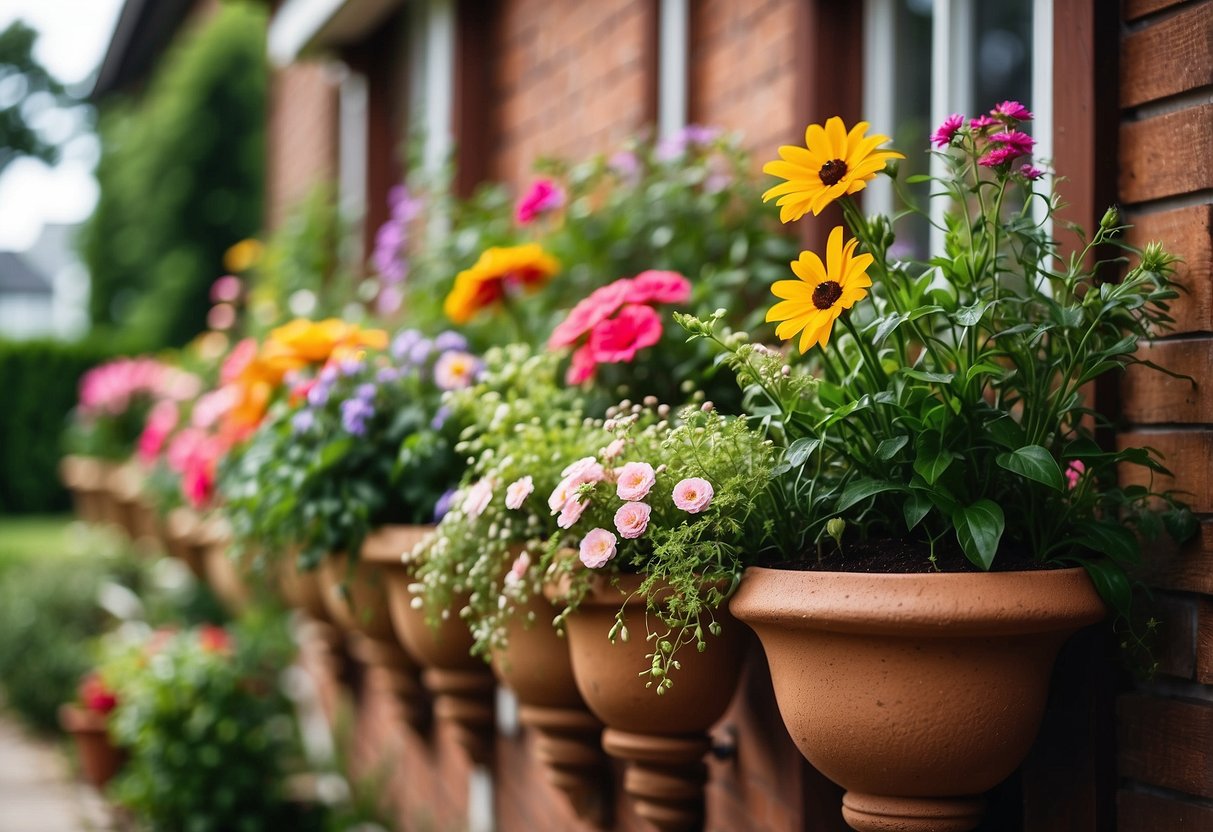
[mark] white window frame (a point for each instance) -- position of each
(951, 90)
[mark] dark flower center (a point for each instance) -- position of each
(826, 294)
(832, 171)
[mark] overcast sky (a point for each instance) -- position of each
(73, 36)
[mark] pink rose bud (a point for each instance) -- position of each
(632, 519)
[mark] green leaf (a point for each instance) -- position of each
(800, 450)
(888, 448)
(930, 458)
(914, 509)
(923, 375)
(1006, 432)
(885, 328)
(985, 368)
(918, 177)
(969, 315)
(862, 489)
(1111, 583)
(1109, 539)
(979, 528)
(1034, 463)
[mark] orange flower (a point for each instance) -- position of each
(498, 270)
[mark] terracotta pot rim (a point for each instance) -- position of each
(909, 604)
(77, 719)
(387, 545)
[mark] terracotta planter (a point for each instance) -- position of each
(461, 684)
(125, 483)
(357, 601)
(664, 738)
(99, 759)
(183, 534)
(536, 665)
(227, 578)
(916, 693)
(301, 590)
(82, 475)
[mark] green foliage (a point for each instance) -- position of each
(36, 90)
(206, 728)
(39, 381)
(181, 175)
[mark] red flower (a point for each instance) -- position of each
(214, 639)
(659, 287)
(95, 696)
(620, 338)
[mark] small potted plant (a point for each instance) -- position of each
(947, 517)
(87, 720)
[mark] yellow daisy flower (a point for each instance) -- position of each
(811, 304)
(832, 163)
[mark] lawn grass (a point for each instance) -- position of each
(36, 536)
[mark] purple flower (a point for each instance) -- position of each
(420, 351)
(443, 413)
(450, 340)
(387, 375)
(366, 391)
(389, 300)
(318, 396)
(350, 366)
(355, 413)
(443, 505)
(328, 375)
(391, 240)
(625, 165)
(691, 136)
(1031, 172)
(303, 421)
(403, 343)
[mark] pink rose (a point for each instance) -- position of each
(597, 548)
(518, 491)
(632, 519)
(598, 306)
(478, 498)
(693, 494)
(635, 481)
(544, 197)
(618, 339)
(582, 367)
(614, 449)
(571, 513)
(160, 423)
(518, 571)
(586, 469)
(659, 287)
(562, 493)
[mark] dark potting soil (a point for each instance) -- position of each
(896, 556)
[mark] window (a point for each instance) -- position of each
(925, 59)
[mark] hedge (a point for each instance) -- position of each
(37, 391)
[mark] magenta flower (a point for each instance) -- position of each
(632, 519)
(1031, 172)
(544, 197)
(1012, 110)
(945, 132)
(597, 307)
(1074, 472)
(998, 156)
(597, 548)
(1017, 139)
(693, 494)
(582, 366)
(982, 122)
(636, 480)
(226, 289)
(618, 339)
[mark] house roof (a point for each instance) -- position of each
(144, 30)
(19, 277)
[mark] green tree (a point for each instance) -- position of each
(181, 179)
(25, 87)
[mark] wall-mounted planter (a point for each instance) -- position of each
(916, 693)
(83, 477)
(100, 760)
(536, 665)
(184, 539)
(125, 484)
(462, 685)
(226, 577)
(664, 738)
(357, 602)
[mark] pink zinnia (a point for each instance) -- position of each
(659, 287)
(597, 548)
(632, 519)
(1031, 172)
(598, 306)
(619, 339)
(636, 480)
(518, 491)
(543, 197)
(693, 494)
(1017, 139)
(982, 122)
(582, 366)
(1074, 472)
(160, 423)
(998, 156)
(943, 135)
(1013, 110)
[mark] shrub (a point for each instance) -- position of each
(39, 381)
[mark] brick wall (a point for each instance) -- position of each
(571, 80)
(301, 134)
(743, 70)
(1165, 728)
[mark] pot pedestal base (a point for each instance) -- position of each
(399, 675)
(665, 776)
(468, 700)
(881, 813)
(568, 742)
